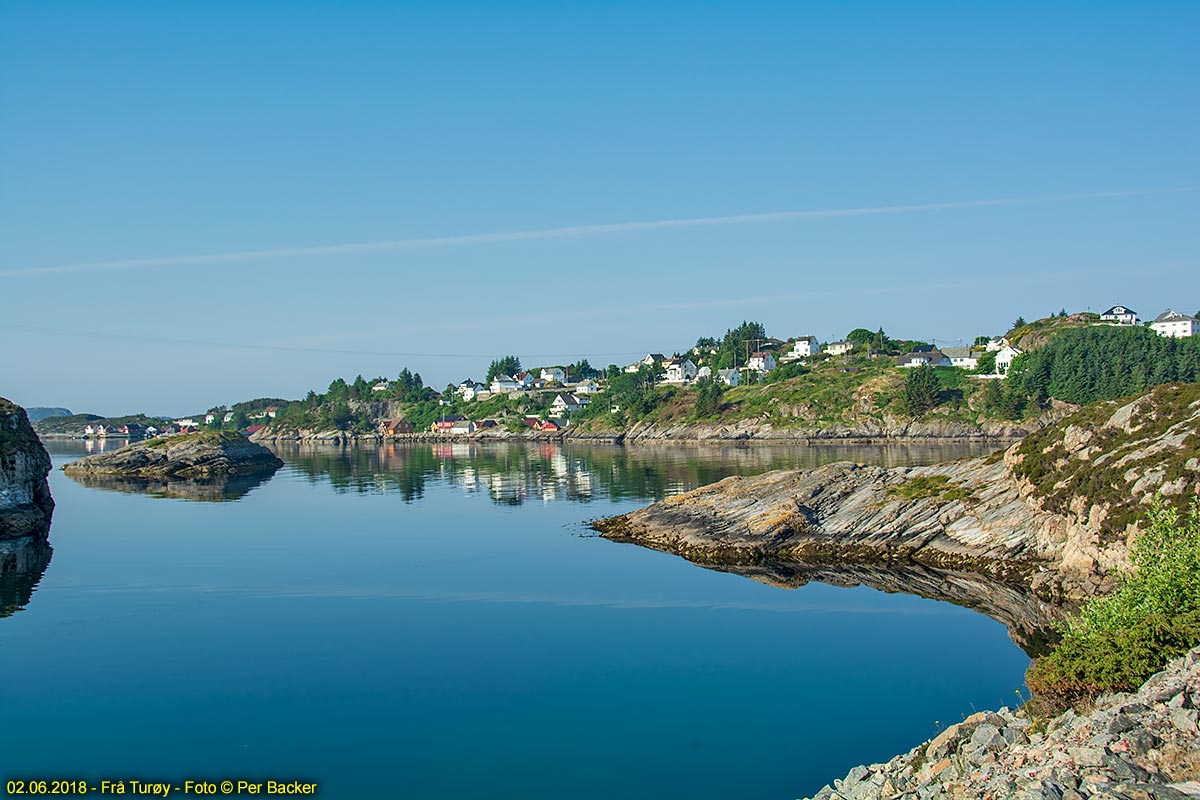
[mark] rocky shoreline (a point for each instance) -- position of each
(26, 506)
(190, 456)
(980, 514)
(749, 431)
(1135, 746)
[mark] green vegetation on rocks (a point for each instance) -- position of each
(199, 437)
(1121, 639)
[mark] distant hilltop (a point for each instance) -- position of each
(36, 413)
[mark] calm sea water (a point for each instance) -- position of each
(437, 622)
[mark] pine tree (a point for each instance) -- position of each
(922, 390)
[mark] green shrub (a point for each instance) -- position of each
(1119, 640)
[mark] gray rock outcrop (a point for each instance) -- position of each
(25, 502)
(1031, 515)
(196, 455)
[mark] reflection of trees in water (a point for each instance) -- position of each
(22, 563)
(515, 473)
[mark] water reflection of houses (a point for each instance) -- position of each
(512, 475)
(515, 473)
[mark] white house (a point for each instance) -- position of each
(924, 358)
(187, 422)
(382, 386)
(839, 348)
(679, 370)
(209, 418)
(553, 374)
(804, 347)
(503, 384)
(1120, 315)
(729, 377)
(228, 417)
(525, 379)
(996, 344)
(1005, 358)
(704, 372)
(761, 361)
(586, 386)
(961, 357)
(473, 391)
(566, 403)
(1172, 323)
(462, 427)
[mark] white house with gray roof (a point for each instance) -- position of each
(961, 357)
(1172, 323)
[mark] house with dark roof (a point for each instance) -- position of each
(934, 358)
(1120, 315)
(679, 370)
(566, 403)
(396, 427)
(649, 361)
(762, 361)
(839, 348)
(803, 347)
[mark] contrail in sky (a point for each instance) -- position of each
(566, 232)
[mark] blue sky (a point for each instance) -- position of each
(140, 131)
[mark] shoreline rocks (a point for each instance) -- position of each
(976, 514)
(1135, 746)
(26, 506)
(196, 455)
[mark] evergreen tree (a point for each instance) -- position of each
(708, 397)
(508, 365)
(922, 390)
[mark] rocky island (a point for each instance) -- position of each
(25, 502)
(203, 455)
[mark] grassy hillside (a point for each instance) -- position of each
(835, 392)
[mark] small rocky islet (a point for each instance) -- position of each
(202, 455)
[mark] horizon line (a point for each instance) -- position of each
(566, 232)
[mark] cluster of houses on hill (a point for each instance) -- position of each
(549, 378)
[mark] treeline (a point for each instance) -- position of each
(339, 407)
(1090, 364)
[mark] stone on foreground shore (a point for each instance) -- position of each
(195, 455)
(1129, 747)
